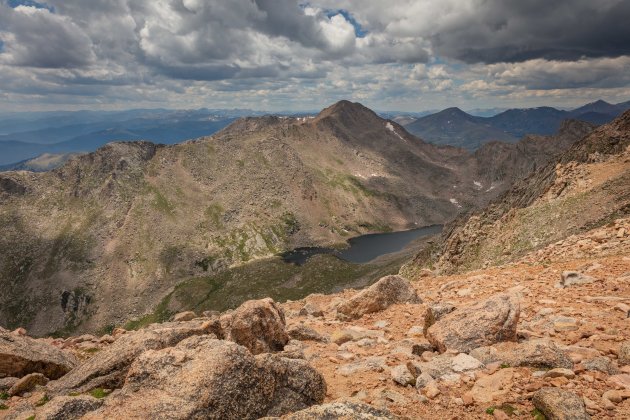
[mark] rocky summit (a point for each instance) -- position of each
(521, 309)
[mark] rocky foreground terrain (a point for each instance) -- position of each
(528, 339)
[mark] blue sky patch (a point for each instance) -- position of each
(31, 3)
(358, 29)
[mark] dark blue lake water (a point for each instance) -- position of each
(365, 248)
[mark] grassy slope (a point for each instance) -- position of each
(270, 277)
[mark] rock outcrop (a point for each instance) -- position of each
(339, 410)
(258, 325)
(559, 404)
(538, 353)
(574, 278)
(485, 323)
(109, 369)
(68, 407)
(21, 355)
(202, 377)
(382, 294)
(27, 383)
(297, 384)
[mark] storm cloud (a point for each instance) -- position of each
(279, 54)
(494, 31)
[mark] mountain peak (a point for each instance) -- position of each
(455, 112)
(343, 107)
(347, 113)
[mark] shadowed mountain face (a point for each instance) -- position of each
(509, 162)
(103, 238)
(457, 128)
(586, 187)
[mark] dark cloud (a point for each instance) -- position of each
(493, 31)
(36, 37)
(545, 75)
(265, 51)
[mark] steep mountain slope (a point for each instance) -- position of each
(506, 163)
(106, 236)
(586, 187)
(454, 127)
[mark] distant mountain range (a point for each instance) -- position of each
(25, 136)
(455, 127)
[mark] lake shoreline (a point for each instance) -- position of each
(363, 249)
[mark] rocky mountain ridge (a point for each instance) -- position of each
(121, 227)
(584, 188)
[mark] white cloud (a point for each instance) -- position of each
(409, 54)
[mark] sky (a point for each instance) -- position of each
(408, 55)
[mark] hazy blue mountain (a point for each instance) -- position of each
(454, 127)
(520, 122)
(457, 128)
(25, 136)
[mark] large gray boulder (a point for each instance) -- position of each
(559, 404)
(482, 324)
(303, 333)
(447, 364)
(436, 312)
(538, 353)
(340, 410)
(206, 378)
(21, 355)
(66, 407)
(574, 278)
(386, 292)
(297, 384)
(27, 383)
(258, 325)
(108, 368)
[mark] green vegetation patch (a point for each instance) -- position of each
(538, 415)
(161, 203)
(160, 314)
(271, 277)
(215, 212)
(99, 393)
(169, 256)
(506, 408)
(375, 227)
(42, 401)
